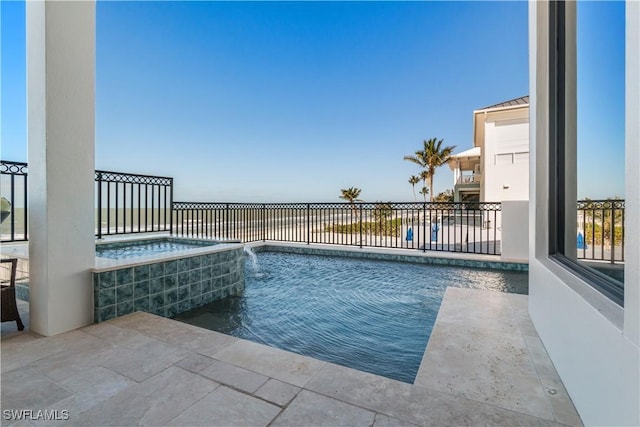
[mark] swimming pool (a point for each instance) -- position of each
(138, 248)
(375, 316)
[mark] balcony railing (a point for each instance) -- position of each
(469, 179)
(132, 203)
(451, 227)
(13, 187)
(600, 234)
(125, 203)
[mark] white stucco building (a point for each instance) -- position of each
(497, 167)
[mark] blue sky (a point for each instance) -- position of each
(242, 101)
(601, 80)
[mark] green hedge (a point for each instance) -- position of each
(391, 227)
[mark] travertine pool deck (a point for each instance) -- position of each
(484, 365)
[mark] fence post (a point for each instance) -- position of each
(99, 205)
(360, 225)
(613, 232)
(170, 208)
(26, 202)
(226, 221)
(308, 224)
(13, 208)
(424, 228)
(264, 222)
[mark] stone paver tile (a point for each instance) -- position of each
(27, 388)
(141, 320)
(562, 405)
(520, 305)
(277, 392)
(370, 391)
(134, 319)
(412, 403)
(272, 362)
(519, 301)
(146, 361)
(484, 365)
(310, 408)
(225, 407)
(483, 309)
(382, 420)
(21, 423)
(541, 360)
(176, 333)
(17, 352)
(233, 376)
(20, 339)
(563, 408)
(98, 381)
(153, 402)
(195, 363)
(200, 341)
(68, 363)
(122, 336)
(90, 387)
(469, 351)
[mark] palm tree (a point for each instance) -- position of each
(432, 156)
(424, 192)
(413, 180)
(351, 194)
(424, 176)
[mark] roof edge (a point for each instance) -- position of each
(511, 103)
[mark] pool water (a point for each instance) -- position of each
(124, 250)
(375, 316)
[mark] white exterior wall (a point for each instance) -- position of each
(515, 231)
(632, 175)
(60, 119)
(592, 342)
(506, 159)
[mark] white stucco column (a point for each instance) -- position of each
(61, 122)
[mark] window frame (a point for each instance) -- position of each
(558, 147)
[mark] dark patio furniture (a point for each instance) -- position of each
(9, 305)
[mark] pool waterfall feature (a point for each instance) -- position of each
(166, 283)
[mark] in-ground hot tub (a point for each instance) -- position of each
(164, 275)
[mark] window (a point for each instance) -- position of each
(586, 122)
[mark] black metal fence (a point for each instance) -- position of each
(13, 187)
(452, 227)
(131, 203)
(125, 203)
(601, 230)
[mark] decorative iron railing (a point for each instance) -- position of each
(13, 188)
(600, 234)
(469, 179)
(125, 203)
(131, 203)
(453, 227)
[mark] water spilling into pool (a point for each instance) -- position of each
(375, 316)
(253, 258)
